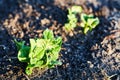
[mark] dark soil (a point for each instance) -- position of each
(95, 56)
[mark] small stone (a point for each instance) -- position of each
(45, 21)
(90, 64)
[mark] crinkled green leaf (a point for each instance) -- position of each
(58, 41)
(40, 43)
(73, 21)
(67, 27)
(54, 56)
(37, 48)
(32, 44)
(41, 51)
(40, 54)
(33, 60)
(70, 26)
(85, 17)
(73, 25)
(76, 9)
(49, 44)
(88, 22)
(48, 34)
(32, 47)
(39, 63)
(71, 17)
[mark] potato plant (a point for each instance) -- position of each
(72, 20)
(88, 22)
(42, 53)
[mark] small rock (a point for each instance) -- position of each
(45, 21)
(90, 64)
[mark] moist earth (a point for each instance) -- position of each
(95, 56)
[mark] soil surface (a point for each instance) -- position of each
(95, 56)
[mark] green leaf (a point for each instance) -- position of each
(76, 9)
(54, 56)
(86, 30)
(48, 58)
(41, 43)
(73, 21)
(53, 63)
(73, 25)
(39, 63)
(68, 27)
(48, 34)
(56, 62)
(83, 18)
(23, 54)
(33, 60)
(95, 23)
(88, 22)
(71, 17)
(39, 53)
(37, 47)
(19, 44)
(58, 41)
(32, 47)
(49, 44)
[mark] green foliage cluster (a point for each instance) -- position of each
(88, 22)
(42, 53)
(72, 20)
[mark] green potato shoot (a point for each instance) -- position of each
(42, 53)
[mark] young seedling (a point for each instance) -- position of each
(72, 20)
(88, 22)
(42, 53)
